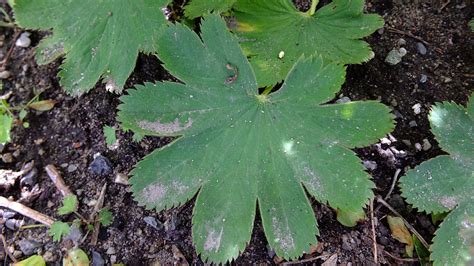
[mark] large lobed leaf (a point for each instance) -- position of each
(446, 183)
(198, 8)
(269, 29)
(237, 147)
(101, 39)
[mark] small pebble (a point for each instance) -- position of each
(5, 74)
(30, 178)
(151, 221)
(423, 78)
(421, 48)
(402, 42)
(71, 168)
(48, 256)
(97, 259)
(426, 144)
(416, 108)
(14, 224)
(344, 99)
(7, 158)
(418, 146)
(407, 142)
(395, 56)
(370, 165)
(28, 247)
(101, 166)
(24, 40)
(110, 251)
(447, 80)
(121, 179)
(413, 123)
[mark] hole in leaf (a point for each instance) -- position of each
(272, 89)
(304, 5)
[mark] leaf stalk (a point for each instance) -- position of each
(312, 9)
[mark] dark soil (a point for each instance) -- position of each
(71, 133)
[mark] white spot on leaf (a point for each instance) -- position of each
(165, 128)
(283, 236)
(449, 202)
(213, 240)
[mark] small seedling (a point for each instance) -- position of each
(110, 137)
(237, 147)
(70, 204)
(10, 116)
(446, 183)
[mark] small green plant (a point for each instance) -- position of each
(110, 137)
(237, 147)
(275, 34)
(100, 40)
(446, 183)
(198, 8)
(10, 116)
(60, 229)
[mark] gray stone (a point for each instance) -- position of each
(28, 247)
(395, 56)
(5, 74)
(421, 48)
(423, 78)
(97, 259)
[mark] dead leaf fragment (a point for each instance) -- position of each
(44, 105)
(401, 233)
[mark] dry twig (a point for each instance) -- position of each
(5, 247)
(25, 211)
(409, 34)
(392, 187)
(97, 207)
(306, 260)
(407, 224)
(400, 259)
(58, 181)
(10, 51)
(374, 237)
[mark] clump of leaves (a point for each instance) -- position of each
(60, 229)
(100, 39)
(275, 34)
(446, 183)
(236, 147)
(198, 8)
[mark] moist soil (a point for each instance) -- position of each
(69, 135)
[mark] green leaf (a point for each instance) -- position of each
(69, 205)
(421, 251)
(49, 49)
(109, 133)
(59, 229)
(446, 183)
(198, 8)
(471, 24)
(34, 260)
(237, 147)
(105, 217)
(274, 34)
(6, 122)
(101, 39)
(76, 257)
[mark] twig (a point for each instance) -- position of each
(97, 207)
(394, 182)
(408, 225)
(409, 34)
(400, 259)
(306, 260)
(5, 247)
(374, 237)
(10, 51)
(445, 5)
(392, 187)
(25, 211)
(58, 181)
